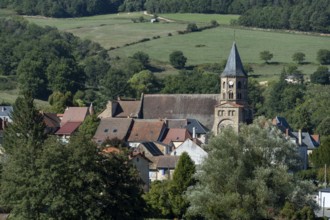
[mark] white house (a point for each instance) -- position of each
(196, 153)
(323, 199)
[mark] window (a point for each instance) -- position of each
(239, 85)
(220, 112)
(231, 95)
(223, 85)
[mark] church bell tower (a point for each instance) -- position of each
(233, 108)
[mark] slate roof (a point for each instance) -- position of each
(5, 112)
(234, 66)
(74, 114)
(307, 140)
(167, 161)
(146, 130)
(281, 124)
(112, 128)
(199, 128)
(68, 128)
(176, 135)
(181, 106)
(151, 148)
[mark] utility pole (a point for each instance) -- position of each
(325, 175)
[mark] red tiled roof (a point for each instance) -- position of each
(176, 135)
(109, 150)
(128, 109)
(146, 130)
(68, 128)
(316, 137)
(74, 114)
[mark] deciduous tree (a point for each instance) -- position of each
(177, 59)
(266, 56)
(246, 175)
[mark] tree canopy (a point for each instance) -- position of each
(246, 175)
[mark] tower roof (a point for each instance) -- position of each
(234, 66)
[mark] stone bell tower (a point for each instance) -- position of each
(233, 108)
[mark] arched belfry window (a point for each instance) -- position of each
(223, 85)
(231, 95)
(239, 85)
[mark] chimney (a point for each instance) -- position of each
(299, 137)
(287, 132)
(194, 133)
(91, 109)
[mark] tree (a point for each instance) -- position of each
(298, 57)
(177, 59)
(143, 82)
(23, 141)
(246, 175)
(323, 56)
(158, 200)
(321, 76)
(79, 181)
(182, 179)
(266, 56)
(142, 57)
(321, 155)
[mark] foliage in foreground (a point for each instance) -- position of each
(42, 178)
(166, 198)
(248, 176)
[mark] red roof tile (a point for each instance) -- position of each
(74, 114)
(68, 128)
(146, 130)
(176, 135)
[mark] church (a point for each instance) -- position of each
(212, 111)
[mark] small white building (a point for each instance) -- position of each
(195, 152)
(323, 199)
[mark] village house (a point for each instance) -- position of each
(195, 151)
(72, 118)
(305, 142)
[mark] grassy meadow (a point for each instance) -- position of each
(115, 31)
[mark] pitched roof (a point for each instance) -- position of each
(128, 109)
(234, 66)
(151, 148)
(5, 111)
(74, 114)
(122, 109)
(146, 130)
(51, 120)
(181, 106)
(176, 135)
(307, 140)
(110, 150)
(176, 123)
(199, 128)
(167, 161)
(68, 128)
(112, 128)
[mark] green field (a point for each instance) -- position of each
(208, 46)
